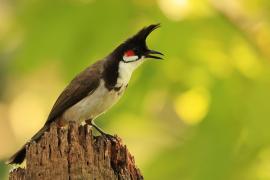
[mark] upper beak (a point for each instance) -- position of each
(150, 53)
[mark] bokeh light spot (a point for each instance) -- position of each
(192, 106)
(245, 61)
(174, 9)
(26, 114)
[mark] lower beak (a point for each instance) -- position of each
(150, 53)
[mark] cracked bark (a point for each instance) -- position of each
(74, 153)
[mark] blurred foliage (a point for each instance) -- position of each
(202, 113)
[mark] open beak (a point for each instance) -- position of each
(151, 53)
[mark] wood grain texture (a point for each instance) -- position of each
(74, 153)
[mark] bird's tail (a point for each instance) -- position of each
(19, 156)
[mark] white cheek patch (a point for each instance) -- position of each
(130, 58)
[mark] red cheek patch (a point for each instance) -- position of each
(129, 53)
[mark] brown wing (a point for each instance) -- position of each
(86, 82)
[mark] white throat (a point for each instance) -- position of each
(125, 71)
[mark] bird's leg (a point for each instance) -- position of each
(102, 132)
(91, 123)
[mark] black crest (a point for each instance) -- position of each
(141, 36)
(139, 40)
(111, 64)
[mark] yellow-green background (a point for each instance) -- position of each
(201, 114)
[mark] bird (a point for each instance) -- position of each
(97, 88)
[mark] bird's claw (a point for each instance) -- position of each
(110, 137)
(105, 135)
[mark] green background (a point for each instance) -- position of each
(201, 114)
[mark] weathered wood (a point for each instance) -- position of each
(74, 153)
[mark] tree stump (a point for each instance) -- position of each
(74, 153)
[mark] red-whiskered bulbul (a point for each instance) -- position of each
(97, 88)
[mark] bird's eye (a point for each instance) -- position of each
(130, 56)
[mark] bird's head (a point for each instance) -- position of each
(135, 49)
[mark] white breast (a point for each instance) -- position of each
(93, 105)
(101, 99)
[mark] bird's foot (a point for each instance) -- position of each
(110, 137)
(105, 135)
